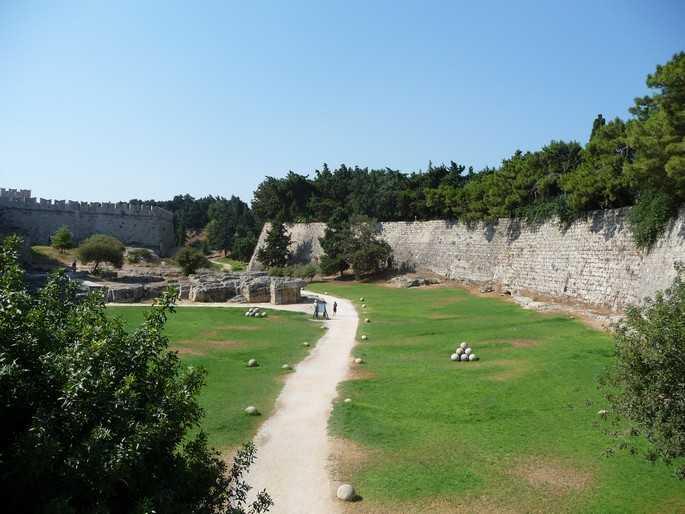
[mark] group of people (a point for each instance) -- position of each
(320, 309)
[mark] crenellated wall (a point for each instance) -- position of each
(594, 260)
(135, 225)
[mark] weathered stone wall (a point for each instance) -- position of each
(143, 226)
(594, 260)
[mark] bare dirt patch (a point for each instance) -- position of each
(199, 347)
(184, 350)
(508, 369)
(359, 372)
(516, 343)
(346, 459)
(557, 477)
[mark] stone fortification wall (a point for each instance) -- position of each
(144, 226)
(594, 260)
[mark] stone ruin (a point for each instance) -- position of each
(204, 286)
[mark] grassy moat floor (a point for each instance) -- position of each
(517, 431)
(222, 341)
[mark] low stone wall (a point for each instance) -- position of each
(594, 260)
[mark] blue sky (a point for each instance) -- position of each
(109, 101)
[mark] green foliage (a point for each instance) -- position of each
(243, 246)
(353, 244)
(645, 386)
(99, 420)
(229, 219)
(599, 182)
(303, 271)
(275, 252)
(138, 255)
(62, 239)
(191, 260)
(657, 135)
(334, 243)
(100, 248)
(650, 216)
(365, 252)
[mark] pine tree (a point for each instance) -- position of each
(275, 252)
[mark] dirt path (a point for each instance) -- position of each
(293, 447)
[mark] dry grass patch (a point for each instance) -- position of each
(507, 369)
(184, 350)
(557, 477)
(191, 346)
(346, 459)
(359, 372)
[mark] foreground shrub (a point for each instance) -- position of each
(101, 248)
(98, 420)
(646, 386)
(191, 260)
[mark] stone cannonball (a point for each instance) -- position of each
(367, 320)
(463, 346)
(464, 357)
(473, 357)
(468, 351)
(454, 357)
(263, 314)
(348, 400)
(459, 351)
(361, 299)
(363, 306)
(305, 343)
(346, 493)
(358, 360)
(364, 337)
(285, 366)
(251, 410)
(252, 363)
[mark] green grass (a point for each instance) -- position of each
(222, 341)
(516, 431)
(235, 265)
(48, 257)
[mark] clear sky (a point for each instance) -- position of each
(109, 101)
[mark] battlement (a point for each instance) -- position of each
(22, 199)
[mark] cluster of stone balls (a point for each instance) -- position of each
(255, 312)
(464, 353)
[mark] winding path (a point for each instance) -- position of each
(293, 447)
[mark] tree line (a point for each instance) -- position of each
(637, 162)
(228, 224)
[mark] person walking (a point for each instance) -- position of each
(335, 308)
(324, 311)
(316, 309)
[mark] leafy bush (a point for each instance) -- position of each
(62, 239)
(306, 271)
(98, 420)
(136, 255)
(191, 260)
(646, 386)
(277, 271)
(243, 247)
(101, 248)
(650, 216)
